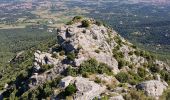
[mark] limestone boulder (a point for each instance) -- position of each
(87, 90)
(153, 88)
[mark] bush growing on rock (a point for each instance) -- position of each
(99, 23)
(46, 67)
(97, 51)
(155, 69)
(122, 77)
(142, 72)
(54, 55)
(136, 95)
(77, 18)
(71, 56)
(92, 66)
(71, 71)
(118, 40)
(131, 53)
(70, 89)
(122, 63)
(165, 75)
(74, 20)
(85, 23)
(97, 80)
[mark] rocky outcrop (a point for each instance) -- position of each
(153, 88)
(86, 89)
(90, 43)
(37, 79)
(66, 81)
(42, 58)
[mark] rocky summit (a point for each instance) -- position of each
(91, 61)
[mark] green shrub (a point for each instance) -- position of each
(70, 23)
(54, 55)
(122, 77)
(136, 95)
(104, 68)
(165, 95)
(118, 40)
(104, 97)
(89, 65)
(133, 46)
(86, 75)
(77, 18)
(62, 53)
(85, 23)
(70, 89)
(46, 67)
(97, 51)
(97, 80)
(131, 53)
(71, 56)
(137, 53)
(134, 78)
(92, 66)
(74, 20)
(155, 69)
(71, 71)
(165, 75)
(122, 63)
(99, 23)
(133, 82)
(142, 72)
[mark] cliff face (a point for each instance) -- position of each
(95, 62)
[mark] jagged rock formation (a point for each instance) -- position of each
(42, 58)
(73, 37)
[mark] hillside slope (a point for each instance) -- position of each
(90, 61)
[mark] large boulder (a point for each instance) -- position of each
(153, 88)
(87, 90)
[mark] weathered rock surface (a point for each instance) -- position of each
(116, 97)
(66, 81)
(86, 89)
(109, 80)
(153, 88)
(44, 58)
(87, 41)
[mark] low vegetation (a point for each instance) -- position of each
(85, 23)
(90, 66)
